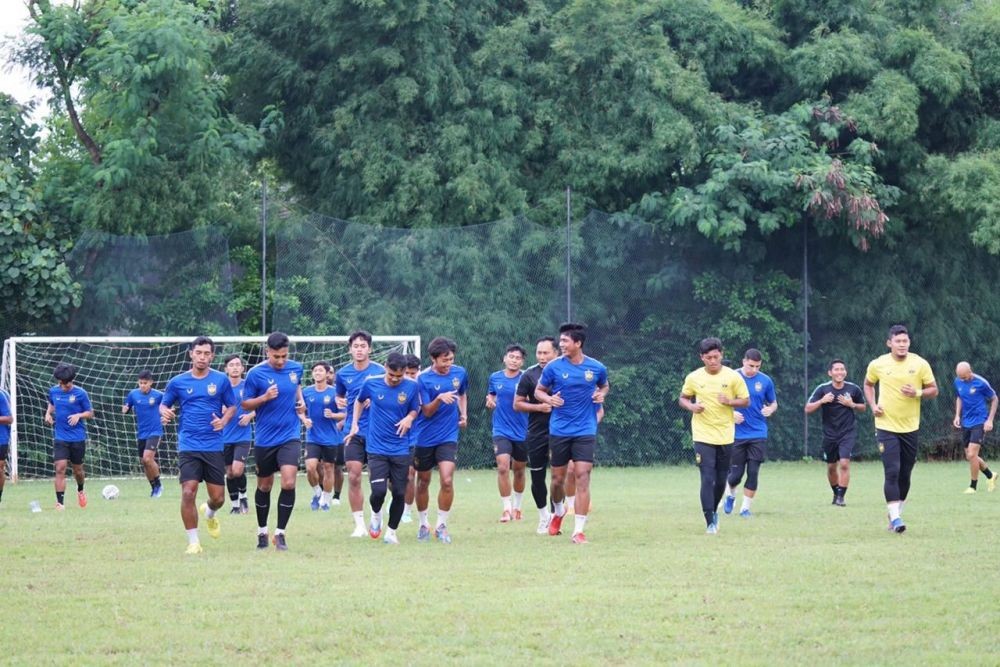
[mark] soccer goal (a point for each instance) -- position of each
(107, 370)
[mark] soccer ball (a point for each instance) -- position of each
(110, 492)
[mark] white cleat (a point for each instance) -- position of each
(360, 531)
(543, 526)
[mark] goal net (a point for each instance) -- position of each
(107, 370)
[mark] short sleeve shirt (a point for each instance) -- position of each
(714, 425)
(901, 413)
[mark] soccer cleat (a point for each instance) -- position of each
(746, 514)
(729, 503)
(713, 529)
(991, 485)
(359, 531)
(543, 526)
(579, 538)
(314, 503)
(897, 526)
(279, 542)
(81, 498)
(244, 506)
(406, 518)
(839, 501)
(390, 538)
(156, 492)
(335, 501)
(505, 517)
(235, 510)
(375, 526)
(555, 525)
(423, 534)
(442, 534)
(60, 507)
(193, 548)
(261, 541)
(324, 507)
(969, 491)
(211, 523)
(517, 515)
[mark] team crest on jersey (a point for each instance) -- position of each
(152, 400)
(401, 398)
(294, 377)
(758, 386)
(972, 390)
(212, 389)
(326, 400)
(588, 376)
(455, 383)
(72, 399)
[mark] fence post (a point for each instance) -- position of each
(569, 287)
(263, 257)
(805, 335)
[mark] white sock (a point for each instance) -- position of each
(506, 503)
(279, 531)
(543, 513)
(558, 508)
(236, 503)
(442, 517)
(730, 491)
(570, 501)
(193, 536)
(894, 510)
(408, 509)
(317, 490)
(517, 500)
(423, 519)
(746, 503)
(581, 521)
(324, 498)
(243, 495)
(209, 512)
(262, 530)
(902, 504)
(359, 518)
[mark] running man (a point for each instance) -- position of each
(6, 419)
(237, 438)
(537, 438)
(571, 385)
(840, 401)
(144, 403)
(710, 394)
(750, 447)
(273, 390)
(971, 415)
(903, 380)
(207, 403)
(68, 407)
(323, 439)
(411, 372)
(510, 429)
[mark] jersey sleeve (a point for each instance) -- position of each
(547, 378)
(363, 395)
(169, 394)
(4, 405)
(425, 392)
(857, 395)
(740, 387)
(85, 405)
(250, 387)
(602, 376)
(926, 374)
(489, 386)
(688, 388)
(770, 396)
(51, 400)
(129, 402)
(463, 385)
(339, 387)
(813, 397)
(871, 375)
(988, 389)
(524, 386)
(413, 403)
(229, 398)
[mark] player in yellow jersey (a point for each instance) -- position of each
(903, 379)
(711, 393)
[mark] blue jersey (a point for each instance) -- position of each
(233, 432)
(146, 408)
(199, 399)
(443, 426)
(507, 423)
(576, 384)
(754, 426)
(69, 403)
(976, 395)
(348, 385)
(277, 421)
(388, 406)
(4, 412)
(324, 430)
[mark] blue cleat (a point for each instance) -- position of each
(441, 533)
(315, 503)
(325, 508)
(746, 514)
(897, 526)
(424, 534)
(728, 506)
(157, 491)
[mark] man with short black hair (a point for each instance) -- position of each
(750, 446)
(840, 401)
(273, 390)
(144, 403)
(411, 372)
(509, 431)
(237, 438)
(975, 419)
(537, 437)
(67, 409)
(323, 439)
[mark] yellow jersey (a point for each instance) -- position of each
(901, 413)
(715, 425)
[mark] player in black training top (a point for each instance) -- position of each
(840, 401)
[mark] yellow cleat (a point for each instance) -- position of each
(193, 549)
(211, 523)
(969, 491)
(992, 484)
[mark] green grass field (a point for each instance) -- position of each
(802, 582)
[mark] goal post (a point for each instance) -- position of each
(107, 369)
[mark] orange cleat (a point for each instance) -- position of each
(580, 538)
(517, 515)
(505, 517)
(555, 523)
(81, 498)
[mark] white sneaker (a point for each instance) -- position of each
(335, 501)
(390, 537)
(359, 531)
(543, 526)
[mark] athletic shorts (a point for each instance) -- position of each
(515, 449)
(973, 435)
(425, 458)
(205, 467)
(839, 448)
(749, 450)
(72, 451)
(236, 451)
(900, 442)
(566, 448)
(151, 443)
(354, 450)
(325, 453)
(390, 470)
(4, 450)
(538, 452)
(271, 459)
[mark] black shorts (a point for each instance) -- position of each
(205, 467)
(271, 459)
(973, 435)
(516, 449)
(425, 458)
(354, 450)
(749, 450)
(236, 451)
(389, 470)
(151, 443)
(538, 452)
(898, 444)
(4, 450)
(566, 448)
(325, 453)
(73, 451)
(839, 448)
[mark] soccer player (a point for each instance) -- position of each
(144, 403)
(411, 372)
(710, 394)
(393, 406)
(237, 438)
(750, 447)
(324, 444)
(903, 380)
(537, 438)
(68, 407)
(6, 419)
(207, 403)
(840, 401)
(572, 384)
(971, 393)
(444, 411)
(273, 390)
(510, 429)
(350, 377)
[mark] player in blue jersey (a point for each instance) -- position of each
(144, 403)
(350, 378)
(324, 440)
(510, 429)
(750, 446)
(411, 372)
(392, 408)
(237, 439)
(572, 384)
(207, 403)
(840, 402)
(975, 419)
(273, 390)
(6, 419)
(67, 409)
(444, 412)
